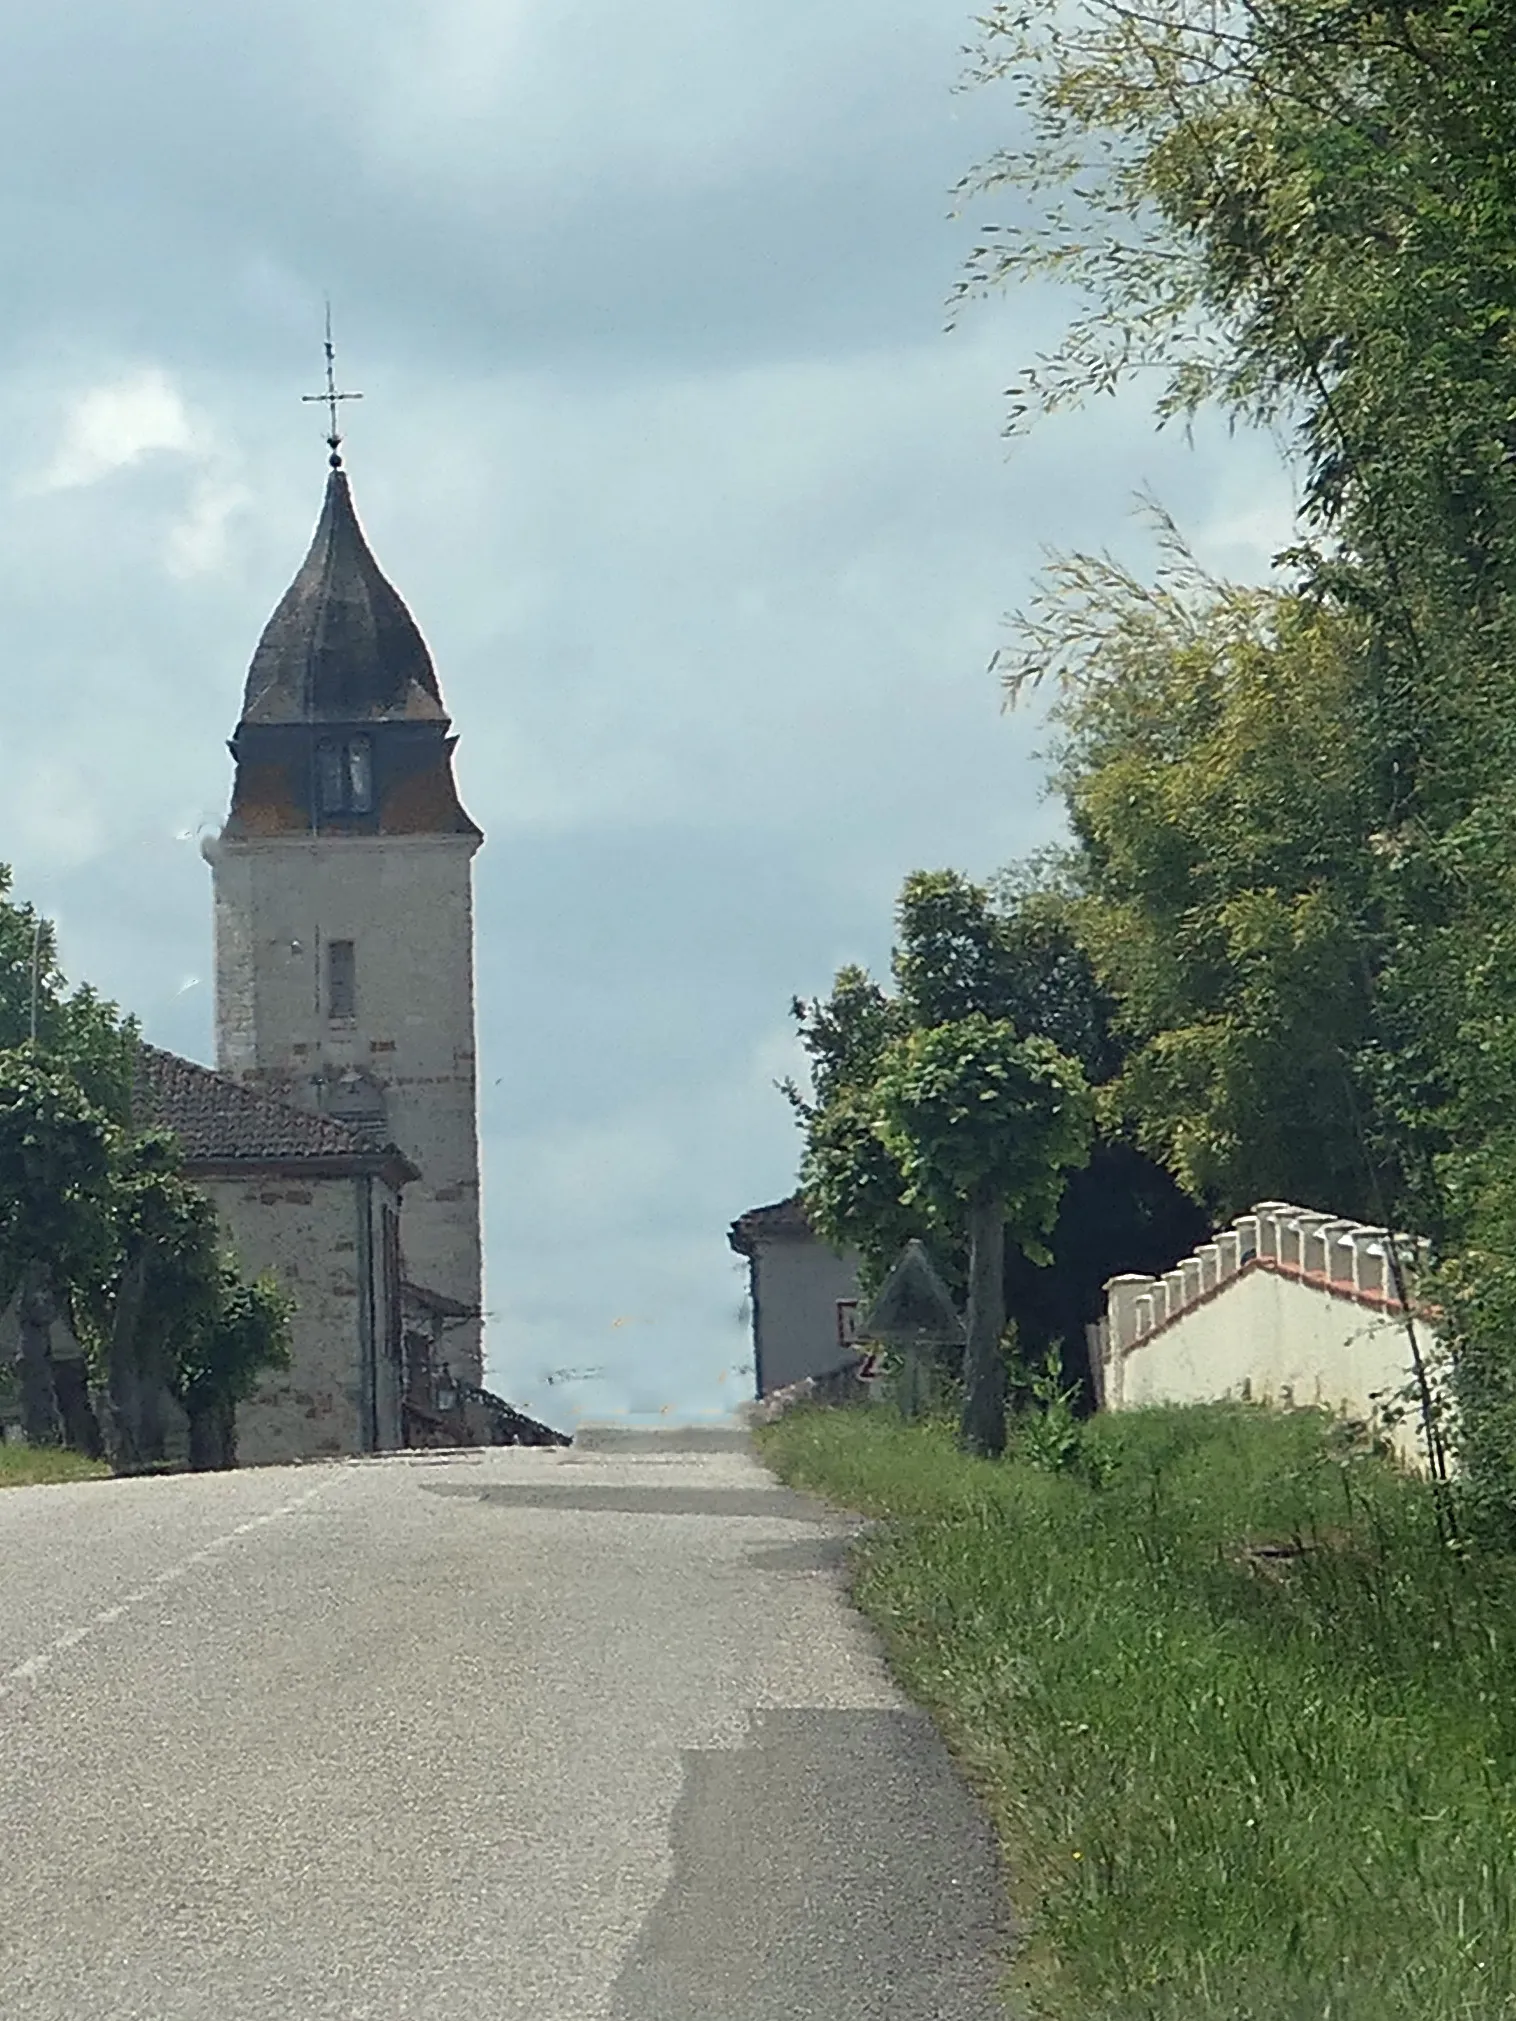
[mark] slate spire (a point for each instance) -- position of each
(343, 729)
(341, 645)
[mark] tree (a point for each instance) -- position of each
(1223, 879)
(166, 1314)
(1303, 211)
(242, 1332)
(854, 1187)
(866, 1179)
(1010, 953)
(82, 1032)
(67, 1089)
(55, 1181)
(97, 1220)
(983, 1125)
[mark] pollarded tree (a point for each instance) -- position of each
(166, 1312)
(984, 1124)
(1013, 955)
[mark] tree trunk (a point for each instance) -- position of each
(228, 1429)
(981, 1429)
(80, 1428)
(204, 1439)
(122, 1397)
(152, 1428)
(39, 1409)
(212, 1437)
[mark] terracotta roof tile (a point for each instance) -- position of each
(218, 1119)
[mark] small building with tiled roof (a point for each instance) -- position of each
(318, 1203)
(802, 1295)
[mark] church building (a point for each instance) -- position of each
(337, 1134)
(344, 963)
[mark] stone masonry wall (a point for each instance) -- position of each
(406, 905)
(307, 1232)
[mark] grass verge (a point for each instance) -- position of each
(35, 1466)
(1246, 1730)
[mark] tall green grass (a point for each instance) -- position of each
(1247, 1729)
(34, 1466)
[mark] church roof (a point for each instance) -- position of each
(222, 1121)
(341, 646)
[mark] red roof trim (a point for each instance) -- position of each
(1376, 1301)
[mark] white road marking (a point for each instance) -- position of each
(32, 1669)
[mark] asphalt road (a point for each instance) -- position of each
(576, 1734)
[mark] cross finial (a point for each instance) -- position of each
(331, 396)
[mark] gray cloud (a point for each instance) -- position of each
(709, 528)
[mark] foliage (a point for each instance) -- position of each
(170, 1310)
(1010, 952)
(1303, 212)
(156, 1216)
(1120, 1212)
(969, 1111)
(243, 1332)
(101, 1209)
(81, 1032)
(1224, 879)
(1048, 1435)
(55, 1171)
(1242, 1724)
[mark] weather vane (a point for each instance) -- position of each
(331, 396)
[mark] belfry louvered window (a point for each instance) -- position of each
(360, 775)
(345, 775)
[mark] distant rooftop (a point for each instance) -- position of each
(783, 1221)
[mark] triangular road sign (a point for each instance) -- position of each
(914, 1307)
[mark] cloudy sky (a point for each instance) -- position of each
(708, 522)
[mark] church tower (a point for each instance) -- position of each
(343, 885)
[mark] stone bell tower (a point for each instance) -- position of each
(343, 885)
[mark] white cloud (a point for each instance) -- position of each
(116, 424)
(197, 543)
(720, 549)
(447, 65)
(54, 812)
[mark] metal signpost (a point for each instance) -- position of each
(914, 1313)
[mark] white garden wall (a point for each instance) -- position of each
(1287, 1307)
